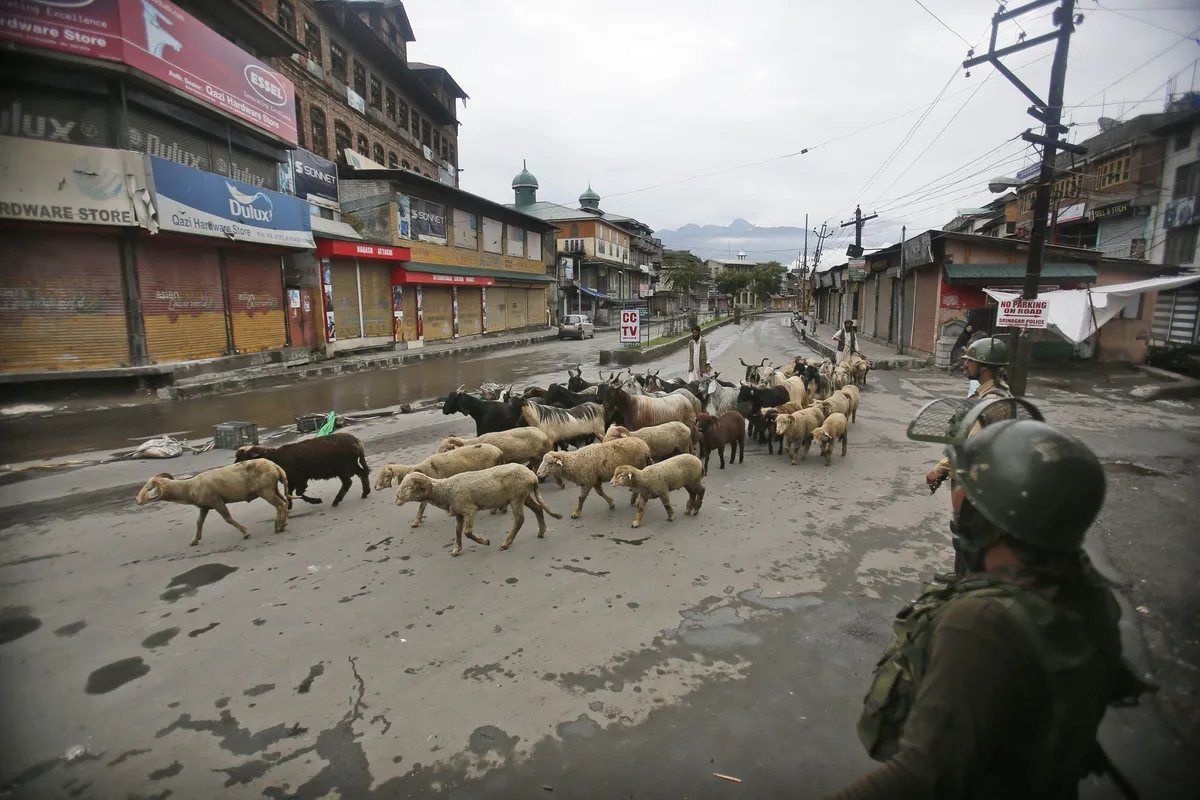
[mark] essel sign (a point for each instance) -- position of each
(631, 326)
(1021, 313)
(163, 41)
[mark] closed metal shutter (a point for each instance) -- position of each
(376, 283)
(255, 283)
(883, 309)
(438, 311)
(926, 308)
(866, 321)
(536, 313)
(516, 308)
(1176, 315)
(409, 305)
(182, 301)
(162, 137)
(346, 321)
(61, 304)
(497, 298)
(470, 312)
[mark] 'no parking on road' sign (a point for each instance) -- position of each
(631, 326)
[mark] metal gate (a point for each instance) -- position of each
(255, 291)
(535, 313)
(182, 300)
(344, 280)
(1176, 316)
(516, 308)
(437, 310)
(470, 312)
(61, 303)
(497, 314)
(375, 284)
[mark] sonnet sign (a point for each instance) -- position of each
(631, 326)
(161, 40)
(1021, 313)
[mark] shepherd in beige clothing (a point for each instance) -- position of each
(698, 365)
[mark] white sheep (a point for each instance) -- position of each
(471, 458)
(520, 445)
(465, 494)
(666, 440)
(851, 393)
(659, 480)
(589, 467)
(831, 430)
(212, 490)
(836, 403)
(796, 429)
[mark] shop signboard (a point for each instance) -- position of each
(315, 179)
(206, 204)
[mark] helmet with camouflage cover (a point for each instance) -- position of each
(1031, 481)
(992, 352)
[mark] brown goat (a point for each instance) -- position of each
(716, 432)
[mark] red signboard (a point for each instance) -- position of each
(335, 247)
(408, 276)
(165, 42)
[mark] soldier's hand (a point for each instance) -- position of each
(933, 481)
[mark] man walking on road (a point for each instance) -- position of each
(845, 348)
(998, 679)
(698, 365)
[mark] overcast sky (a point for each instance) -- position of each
(630, 94)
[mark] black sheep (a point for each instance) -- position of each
(338, 455)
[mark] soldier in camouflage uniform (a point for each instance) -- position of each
(986, 360)
(996, 683)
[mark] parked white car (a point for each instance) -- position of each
(576, 326)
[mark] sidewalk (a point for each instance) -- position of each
(275, 374)
(881, 356)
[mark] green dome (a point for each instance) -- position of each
(589, 195)
(524, 179)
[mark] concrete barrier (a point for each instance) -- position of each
(828, 350)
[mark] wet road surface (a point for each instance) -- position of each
(351, 656)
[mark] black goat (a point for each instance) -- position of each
(757, 398)
(561, 396)
(491, 416)
(338, 455)
(575, 381)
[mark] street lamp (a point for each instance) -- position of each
(998, 185)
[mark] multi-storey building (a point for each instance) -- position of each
(1176, 239)
(741, 264)
(599, 269)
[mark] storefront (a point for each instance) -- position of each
(358, 299)
(451, 302)
(68, 211)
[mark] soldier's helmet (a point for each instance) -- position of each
(991, 351)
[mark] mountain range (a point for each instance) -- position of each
(782, 244)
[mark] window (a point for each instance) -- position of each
(316, 120)
(493, 233)
(377, 153)
(1182, 141)
(392, 161)
(601, 249)
(1025, 204)
(437, 142)
(1132, 309)
(405, 165)
(416, 125)
(376, 97)
(1068, 187)
(287, 16)
(299, 123)
(425, 130)
(450, 156)
(337, 61)
(533, 245)
(445, 148)
(389, 107)
(1187, 181)
(341, 139)
(1113, 172)
(312, 40)
(1181, 245)
(364, 147)
(516, 241)
(360, 79)
(402, 118)
(466, 230)
(574, 229)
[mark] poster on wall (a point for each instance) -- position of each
(403, 216)
(314, 179)
(428, 221)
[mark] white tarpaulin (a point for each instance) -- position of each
(1070, 313)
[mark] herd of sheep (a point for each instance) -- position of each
(650, 435)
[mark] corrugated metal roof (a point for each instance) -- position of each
(1016, 272)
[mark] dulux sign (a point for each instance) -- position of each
(201, 203)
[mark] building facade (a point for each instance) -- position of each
(717, 267)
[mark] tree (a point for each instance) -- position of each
(684, 276)
(731, 282)
(767, 279)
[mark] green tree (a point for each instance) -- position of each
(767, 279)
(731, 282)
(684, 276)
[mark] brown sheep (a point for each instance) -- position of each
(659, 480)
(716, 432)
(853, 396)
(833, 429)
(797, 429)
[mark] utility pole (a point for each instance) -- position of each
(1049, 113)
(821, 237)
(855, 250)
(804, 267)
(898, 292)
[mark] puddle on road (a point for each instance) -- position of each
(160, 638)
(718, 629)
(17, 621)
(115, 675)
(186, 584)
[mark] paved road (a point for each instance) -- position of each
(353, 657)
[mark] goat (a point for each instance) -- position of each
(589, 467)
(464, 495)
(756, 374)
(491, 416)
(212, 490)
(581, 424)
(442, 465)
(659, 480)
(716, 432)
(562, 397)
(717, 396)
(634, 411)
(575, 381)
(756, 398)
(338, 455)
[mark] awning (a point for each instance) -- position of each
(593, 293)
(330, 229)
(1016, 272)
(477, 272)
(1070, 310)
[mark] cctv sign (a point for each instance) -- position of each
(631, 326)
